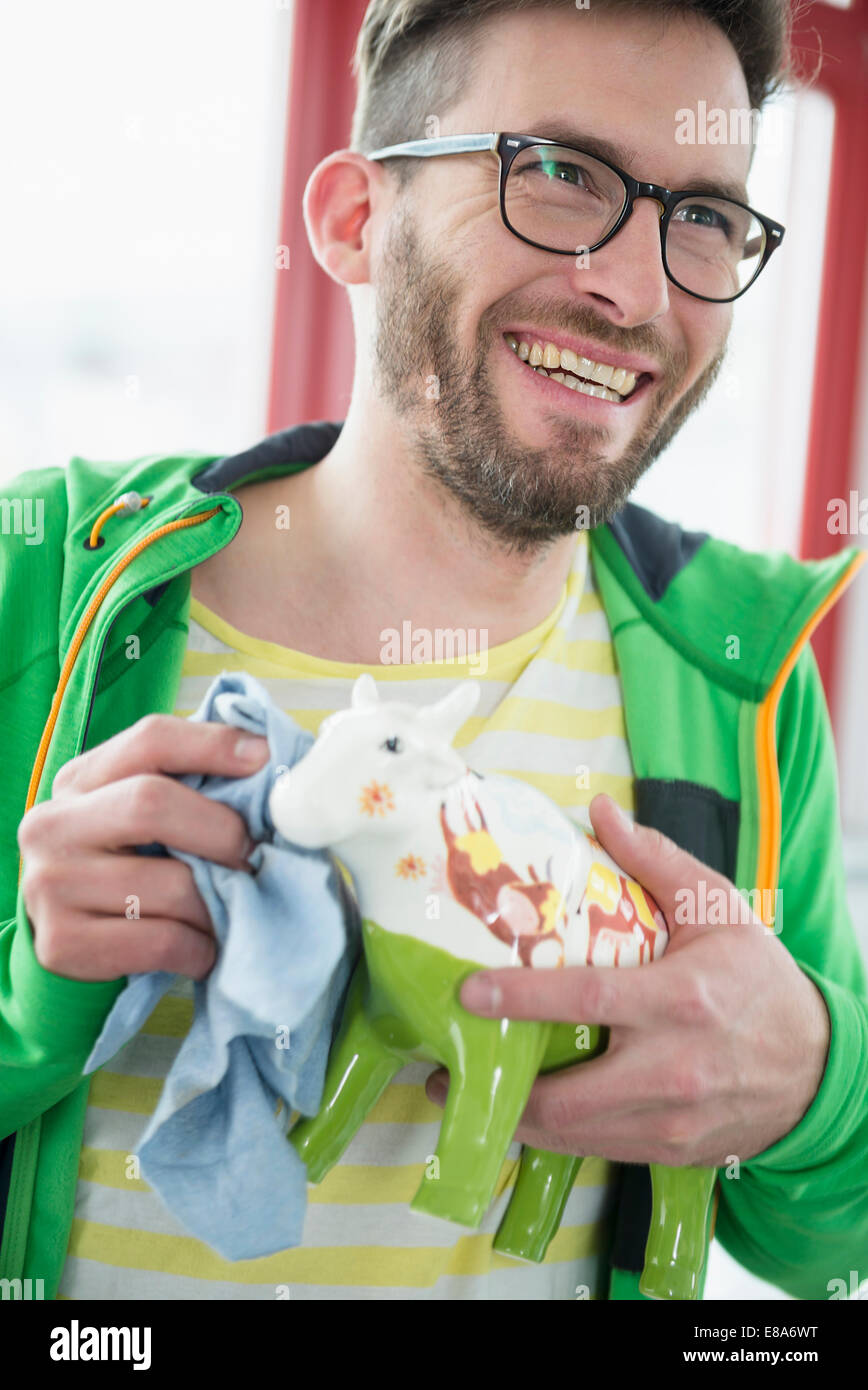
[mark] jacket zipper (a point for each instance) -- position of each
(81, 632)
(26, 1140)
(770, 817)
(768, 860)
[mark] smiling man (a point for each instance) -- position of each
(452, 442)
(542, 277)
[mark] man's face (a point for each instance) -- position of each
(521, 451)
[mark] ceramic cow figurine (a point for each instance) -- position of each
(454, 871)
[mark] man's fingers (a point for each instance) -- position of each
(667, 1132)
(618, 1084)
(139, 811)
(604, 995)
(597, 1089)
(132, 885)
(562, 1116)
(641, 1137)
(163, 743)
(105, 948)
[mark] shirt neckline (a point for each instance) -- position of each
(500, 659)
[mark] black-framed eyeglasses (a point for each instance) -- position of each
(713, 247)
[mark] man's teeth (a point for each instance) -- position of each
(607, 382)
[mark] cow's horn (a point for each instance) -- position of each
(365, 692)
(447, 715)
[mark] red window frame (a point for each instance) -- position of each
(840, 39)
(313, 351)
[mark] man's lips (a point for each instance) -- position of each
(584, 348)
(581, 397)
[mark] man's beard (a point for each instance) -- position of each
(521, 496)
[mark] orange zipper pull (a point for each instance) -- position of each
(129, 502)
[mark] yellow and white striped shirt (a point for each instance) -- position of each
(550, 714)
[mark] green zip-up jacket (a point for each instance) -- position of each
(731, 747)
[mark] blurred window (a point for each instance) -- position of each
(737, 468)
(143, 155)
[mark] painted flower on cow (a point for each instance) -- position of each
(376, 799)
(411, 866)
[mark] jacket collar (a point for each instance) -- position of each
(301, 444)
(656, 550)
(696, 592)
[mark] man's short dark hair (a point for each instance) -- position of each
(413, 57)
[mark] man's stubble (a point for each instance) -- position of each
(521, 496)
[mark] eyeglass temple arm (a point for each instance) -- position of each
(441, 144)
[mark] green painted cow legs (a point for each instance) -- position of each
(545, 1179)
(403, 1004)
(543, 1185)
(360, 1068)
(491, 1073)
(677, 1241)
(678, 1237)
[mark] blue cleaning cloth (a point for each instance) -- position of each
(215, 1149)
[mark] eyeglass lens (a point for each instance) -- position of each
(564, 201)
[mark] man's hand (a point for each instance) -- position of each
(80, 868)
(718, 1049)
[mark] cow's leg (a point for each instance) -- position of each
(360, 1068)
(545, 1179)
(678, 1238)
(544, 1183)
(492, 1064)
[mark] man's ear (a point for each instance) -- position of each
(337, 212)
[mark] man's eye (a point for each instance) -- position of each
(564, 172)
(700, 215)
(393, 744)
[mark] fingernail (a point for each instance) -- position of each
(250, 748)
(482, 994)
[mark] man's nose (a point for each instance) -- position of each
(627, 273)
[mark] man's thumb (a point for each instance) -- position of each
(649, 857)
